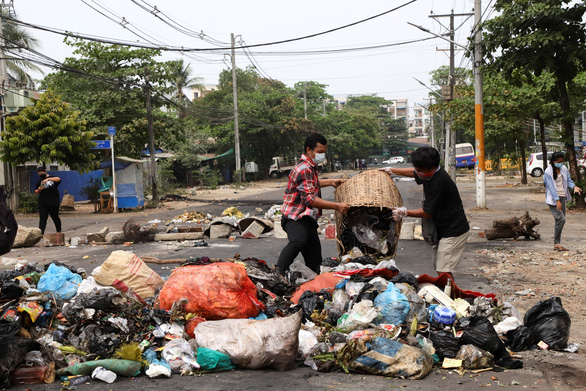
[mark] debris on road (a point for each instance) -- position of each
(513, 227)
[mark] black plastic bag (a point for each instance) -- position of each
(13, 352)
(9, 329)
(519, 339)
(445, 344)
(331, 262)
(549, 322)
(481, 333)
(311, 301)
(407, 278)
(10, 290)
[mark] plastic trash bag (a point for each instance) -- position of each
(394, 306)
(391, 358)
(306, 342)
(300, 267)
(445, 344)
(312, 301)
(340, 299)
(481, 333)
(366, 234)
(156, 367)
(216, 291)
(253, 344)
(508, 324)
(354, 288)
(119, 367)
(519, 339)
(404, 277)
(549, 322)
(474, 358)
(60, 281)
(210, 359)
(361, 315)
(180, 356)
(417, 305)
(13, 352)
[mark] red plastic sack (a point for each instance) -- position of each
(191, 324)
(215, 291)
(457, 293)
(324, 281)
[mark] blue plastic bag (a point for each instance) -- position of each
(60, 281)
(393, 304)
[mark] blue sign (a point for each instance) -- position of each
(101, 144)
(111, 131)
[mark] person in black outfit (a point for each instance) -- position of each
(442, 205)
(49, 202)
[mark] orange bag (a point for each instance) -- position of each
(325, 281)
(215, 291)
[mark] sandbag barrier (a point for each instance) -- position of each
(357, 316)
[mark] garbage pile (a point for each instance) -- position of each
(57, 323)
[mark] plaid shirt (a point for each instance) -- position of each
(302, 189)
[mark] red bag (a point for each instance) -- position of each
(325, 281)
(191, 324)
(215, 291)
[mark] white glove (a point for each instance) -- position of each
(388, 170)
(399, 213)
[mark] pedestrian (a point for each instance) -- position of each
(443, 218)
(46, 189)
(363, 164)
(557, 191)
(375, 161)
(356, 164)
(302, 205)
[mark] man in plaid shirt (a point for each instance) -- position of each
(302, 205)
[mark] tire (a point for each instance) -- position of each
(536, 172)
(275, 175)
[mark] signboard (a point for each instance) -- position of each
(101, 144)
(111, 130)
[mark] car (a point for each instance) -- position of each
(394, 160)
(535, 164)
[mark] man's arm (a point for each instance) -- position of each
(408, 172)
(341, 207)
(417, 213)
(331, 182)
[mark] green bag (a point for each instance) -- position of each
(209, 359)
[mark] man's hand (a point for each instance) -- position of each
(343, 207)
(577, 190)
(337, 182)
(388, 170)
(399, 213)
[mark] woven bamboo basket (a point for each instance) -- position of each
(371, 193)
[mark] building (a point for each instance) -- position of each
(399, 109)
(419, 122)
(201, 92)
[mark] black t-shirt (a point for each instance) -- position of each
(443, 203)
(49, 195)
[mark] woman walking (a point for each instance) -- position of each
(557, 191)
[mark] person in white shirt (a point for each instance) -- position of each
(557, 191)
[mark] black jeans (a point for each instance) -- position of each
(44, 212)
(303, 239)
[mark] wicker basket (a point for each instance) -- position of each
(371, 193)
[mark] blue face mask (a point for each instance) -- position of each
(558, 165)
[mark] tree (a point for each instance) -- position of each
(180, 81)
(537, 36)
(47, 132)
(316, 95)
(106, 84)
(17, 38)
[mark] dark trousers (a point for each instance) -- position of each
(303, 239)
(49, 210)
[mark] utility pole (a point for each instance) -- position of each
(431, 122)
(479, 109)
(235, 94)
(153, 170)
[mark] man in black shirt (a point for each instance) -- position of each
(49, 202)
(442, 205)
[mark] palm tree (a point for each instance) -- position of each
(182, 80)
(18, 39)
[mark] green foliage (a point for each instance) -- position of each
(27, 203)
(47, 132)
(17, 68)
(111, 92)
(209, 177)
(166, 181)
(91, 189)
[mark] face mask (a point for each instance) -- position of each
(319, 158)
(558, 165)
(427, 176)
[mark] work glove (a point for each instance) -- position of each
(399, 213)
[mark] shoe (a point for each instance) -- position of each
(559, 247)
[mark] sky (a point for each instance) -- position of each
(388, 72)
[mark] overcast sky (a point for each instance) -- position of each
(388, 72)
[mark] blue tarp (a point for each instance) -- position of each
(119, 165)
(72, 181)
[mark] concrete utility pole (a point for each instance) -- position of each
(431, 123)
(153, 170)
(305, 98)
(479, 109)
(234, 92)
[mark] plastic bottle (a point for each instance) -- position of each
(104, 375)
(448, 288)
